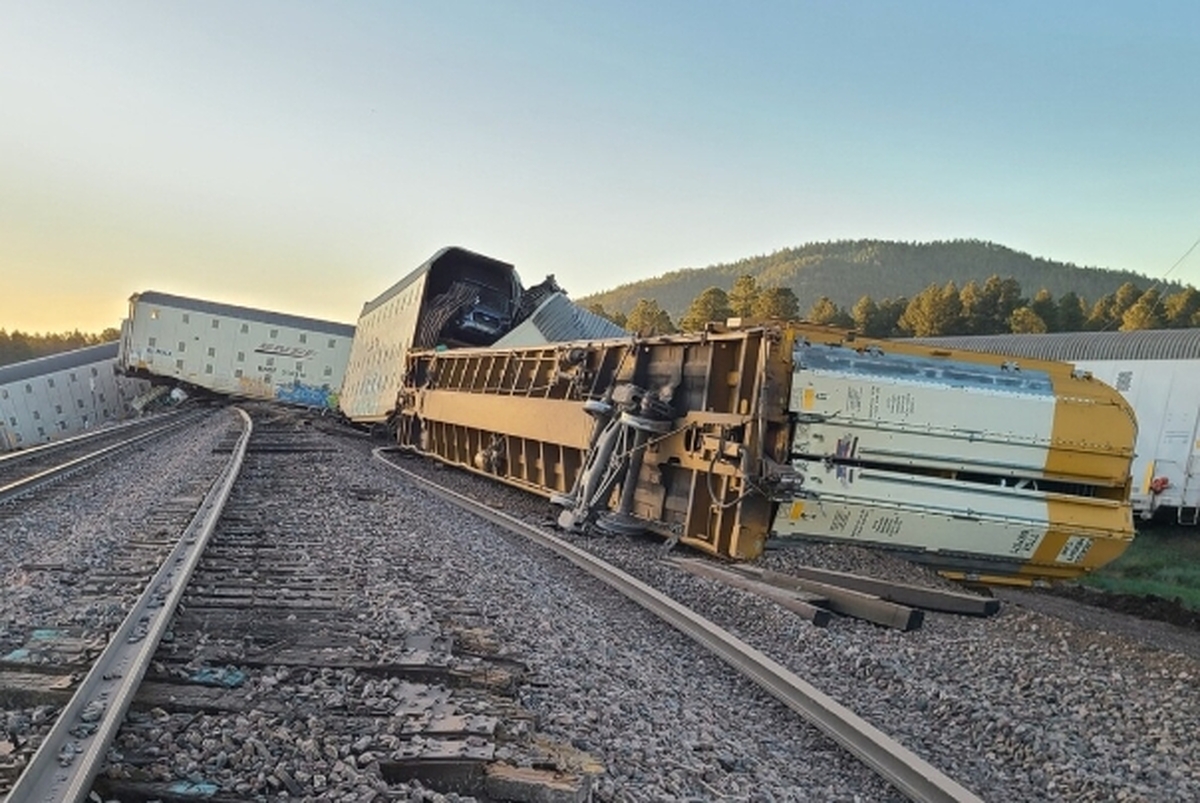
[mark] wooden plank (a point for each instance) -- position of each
(28, 689)
(928, 598)
(800, 602)
(506, 782)
(846, 601)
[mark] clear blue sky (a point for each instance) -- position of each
(303, 156)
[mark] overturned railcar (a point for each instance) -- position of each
(64, 394)
(456, 299)
(984, 468)
(224, 349)
(456, 295)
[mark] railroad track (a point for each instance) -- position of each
(916, 778)
(345, 634)
(24, 472)
(270, 605)
(267, 642)
(70, 755)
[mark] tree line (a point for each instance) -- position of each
(995, 306)
(843, 270)
(18, 346)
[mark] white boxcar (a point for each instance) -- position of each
(62, 395)
(233, 350)
(455, 297)
(1158, 372)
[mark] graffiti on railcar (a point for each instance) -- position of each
(307, 395)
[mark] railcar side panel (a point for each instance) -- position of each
(1158, 372)
(375, 369)
(63, 395)
(1166, 396)
(235, 351)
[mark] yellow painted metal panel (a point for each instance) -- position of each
(548, 420)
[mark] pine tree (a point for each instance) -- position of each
(1181, 309)
(1145, 313)
(743, 295)
(824, 311)
(866, 317)
(1071, 314)
(934, 312)
(1102, 315)
(890, 312)
(647, 318)
(776, 303)
(1045, 307)
(710, 305)
(1025, 321)
(618, 318)
(1126, 296)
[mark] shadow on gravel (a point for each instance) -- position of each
(1146, 606)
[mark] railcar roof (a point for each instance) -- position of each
(1156, 344)
(243, 313)
(63, 361)
(560, 320)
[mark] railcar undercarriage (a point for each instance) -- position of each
(985, 468)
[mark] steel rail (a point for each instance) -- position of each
(19, 455)
(42, 478)
(68, 759)
(912, 775)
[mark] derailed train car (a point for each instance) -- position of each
(233, 350)
(1158, 372)
(984, 468)
(456, 298)
(64, 394)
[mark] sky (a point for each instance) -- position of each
(303, 156)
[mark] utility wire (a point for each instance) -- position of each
(1159, 301)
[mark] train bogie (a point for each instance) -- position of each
(54, 397)
(232, 350)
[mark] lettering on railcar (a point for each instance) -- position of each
(839, 520)
(901, 404)
(1074, 549)
(860, 524)
(1025, 542)
(284, 351)
(853, 400)
(888, 525)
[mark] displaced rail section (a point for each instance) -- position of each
(71, 754)
(986, 468)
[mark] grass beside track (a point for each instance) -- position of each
(1163, 560)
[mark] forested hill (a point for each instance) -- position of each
(846, 270)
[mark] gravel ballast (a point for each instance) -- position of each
(1025, 705)
(1022, 706)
